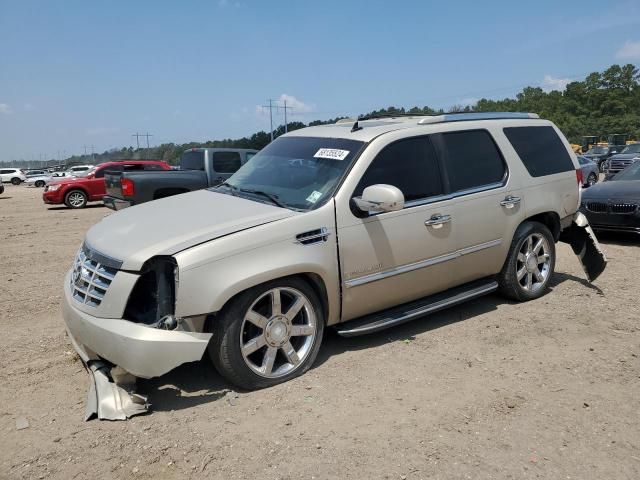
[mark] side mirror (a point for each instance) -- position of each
(380, 198)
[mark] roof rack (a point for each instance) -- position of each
(462, 117)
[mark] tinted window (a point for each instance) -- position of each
(4, 172)
(250, 154)
(226, 162)
(471, 159)
(410, 165)
(192, 160)
(152, 166)
(114, 168)
(540, 149)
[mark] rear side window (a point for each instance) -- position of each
(471, 159)
(226, 162)
(192, 160)
(409, 165)
(540, 149)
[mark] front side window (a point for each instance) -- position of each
(471, 159)
(298, 172)
(540, 149)
(226, 162)
(409, 165)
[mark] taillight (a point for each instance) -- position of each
(579, 176)
(128, 188)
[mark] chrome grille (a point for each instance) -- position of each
(597, 207)
(623, 207)
(618, 165)
(90, 280)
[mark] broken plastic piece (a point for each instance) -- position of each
(585, 245)
(111, 393)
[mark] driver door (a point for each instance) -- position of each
(391, 258)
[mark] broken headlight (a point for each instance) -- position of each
(153, 296)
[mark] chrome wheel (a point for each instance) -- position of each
(533, 264)
(76, 199)
(591, 180)
(278, 332)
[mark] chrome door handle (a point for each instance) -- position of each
(510, 201)
(436, 221)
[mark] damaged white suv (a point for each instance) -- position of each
(359, 226)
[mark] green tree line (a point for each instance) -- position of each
(603, 103)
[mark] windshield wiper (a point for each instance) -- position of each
(270, 196)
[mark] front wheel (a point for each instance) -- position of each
(15, 181)
(530, 263)
(591, 179)
(75, 199)
(268, 334)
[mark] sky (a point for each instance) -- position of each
(78, 73)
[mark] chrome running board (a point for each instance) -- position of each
(409, 311)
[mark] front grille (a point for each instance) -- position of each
(597, 207)
(90, 280)
(623, 207)
(618, 165)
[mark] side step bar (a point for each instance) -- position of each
(409, 311)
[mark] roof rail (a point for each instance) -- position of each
(462, 117)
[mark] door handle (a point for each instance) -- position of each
(436, 221)
(510, 201)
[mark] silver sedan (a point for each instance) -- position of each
(590, 171)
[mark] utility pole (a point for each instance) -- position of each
(271, 106)
(137, 135)
(147, 135)
(270, 116)
(286, 124)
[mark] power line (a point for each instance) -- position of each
(275, 106)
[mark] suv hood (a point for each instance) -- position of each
(169, 225)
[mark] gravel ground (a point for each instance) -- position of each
(490, 389)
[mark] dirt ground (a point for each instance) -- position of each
(490, 389)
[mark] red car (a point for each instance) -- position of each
(75, 192)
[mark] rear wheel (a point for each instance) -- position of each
(15, 181)
(530, 263)
(75, 199)
(40, 183)
(268, 335)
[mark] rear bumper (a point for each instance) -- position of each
(138, 349)
(116, 203)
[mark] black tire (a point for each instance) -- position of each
(75, 199)
(225, 346)
(592, 179)
(601, 166)
(511, 285)
(40, 183)
(15, 181)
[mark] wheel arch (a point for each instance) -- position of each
(550, 219)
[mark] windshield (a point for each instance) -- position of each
(632, 172)
(299, 172)
(633, 148)
(598, 151)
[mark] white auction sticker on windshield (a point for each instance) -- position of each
(332, 153)
(313, 198)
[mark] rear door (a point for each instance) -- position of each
(486, 201)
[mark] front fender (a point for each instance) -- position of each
(207, 287)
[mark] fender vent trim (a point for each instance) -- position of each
(313, 236)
